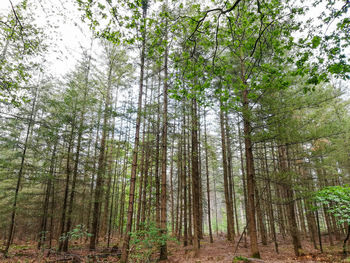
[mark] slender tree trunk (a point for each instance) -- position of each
(94, 170)
(142, 166)
(68, 174)
(163, 217)
(115, 178)
(125, 250)
(189, 187)
(207, 177)
(269, 199)
(146, 179)
(329, 225)
(157, 180)
(172, 202)
(195, 179)
(179, 191)
(260, 217)
(52, 212)
(232, 193)
(293, 229)
(216, 210)
(101, 168)
(346, 240)
(20, 174)
(75, 170)
(250, 176)
(106, 193)
(229, 213)
(200, 185)
(278, 194)
(243, 183)
(42, 233)
(184, 179)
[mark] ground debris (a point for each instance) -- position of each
(68, 258)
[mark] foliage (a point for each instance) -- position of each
(338, 199)
(146, 241)
(79, 231)
(240, 259)
(21, 42)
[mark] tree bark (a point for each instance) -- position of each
(76, 163)
(207, 177)
(101, 165)
(250, 176)
(125, 249)
(68, 174)
(184, 180)
(195, 178)
(20, 175)
(42, 233)
(293, 229)
(163, 216)
(229, 213)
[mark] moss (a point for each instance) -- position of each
(240, 259)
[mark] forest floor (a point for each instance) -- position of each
(220, 251)
(224, 252)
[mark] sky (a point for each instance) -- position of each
(67, 34)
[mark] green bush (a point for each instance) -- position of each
(79, 231)
(337, 198)
(146, 241)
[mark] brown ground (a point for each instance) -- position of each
(223, 251)
(220, 251)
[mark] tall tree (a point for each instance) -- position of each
(125, 250)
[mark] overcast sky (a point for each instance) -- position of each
(66, 33)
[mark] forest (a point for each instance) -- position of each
(174, 131)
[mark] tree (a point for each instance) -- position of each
(338, 199)
(143, 27)
(21, 42)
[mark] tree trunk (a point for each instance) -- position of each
(94, 169)
(142, 166)
(260, 217)
(195, 179)
(346, 240)
(125, 250)
(20, 174)
(293, 229)
(230, 175)
(156, 173)
(76, 164)
(184, 179)
(243, 183)
(101, 167)
(216, 210)
(269, 199)
(163, 216)
(200, 186)
(42, 233)
(207, 177)
(65, 200)
(250, 176)
(229, 213)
